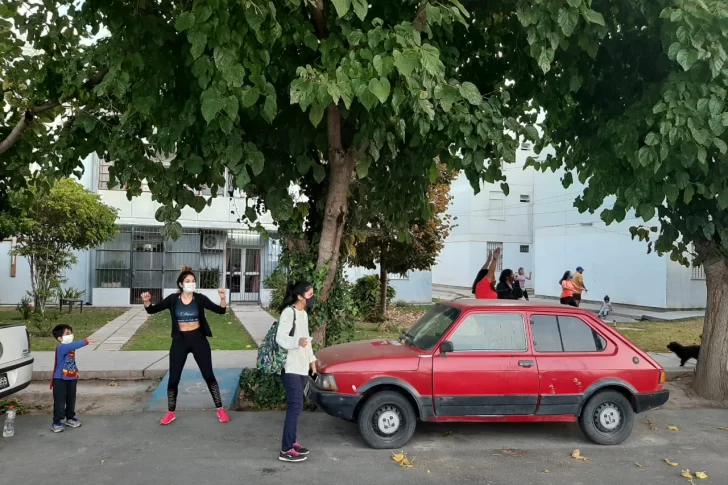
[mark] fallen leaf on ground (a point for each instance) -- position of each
(673, 428)
(114, 384)
(576, 454)
(403, 461)
(398, 457)
(671, 463)
(546, 471)
(724, 428)
(701, 475)
(651, 425)
(638, 465)
(428, 472)
(248, 346)
(687, 474)
(103, 461)
(448, 434)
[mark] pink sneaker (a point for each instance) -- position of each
(222, 415)
(168, 418)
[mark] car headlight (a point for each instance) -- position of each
(326, 382)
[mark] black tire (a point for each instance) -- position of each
(599, 414)
(398, 412)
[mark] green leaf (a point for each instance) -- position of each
(708, 230)
(545, 58)
(316, 114)
(724, 118)
(594, 17)
(715, 106)
(703, 104)
(723, 199)
(256, 160)
(366, 98)
(362, 167)
(644, 155)
(231, 107)
(311, 41)
(361, 7)
(194, 164)
(716, 125)
(184, 21)
(568, 20)
(720, 145)
(686, 58)
(647, 211)
(431, 59)
(234, 74)
(355, 37)
(212, 104)
(251, 214)
(433, 173)
(242, 179)
(574, 3)
(702, 154)
(224, 57)
(405, 62)
(380, 88)
(342, 7)
(319, 173)
(673, 50)
(688, 195)
(470, 92)
(198, 42)
(250, 96)
(652, 139)
(270, 108)
(671, 192)
(505, 188)
(531, 132)
(303, 164)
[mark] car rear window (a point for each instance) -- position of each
(490, 332)
(564, 334)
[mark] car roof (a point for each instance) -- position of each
(476, 304)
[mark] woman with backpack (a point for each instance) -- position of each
(293, 336)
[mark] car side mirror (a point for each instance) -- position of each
(446, 347)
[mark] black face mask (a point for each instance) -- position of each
(310, 302)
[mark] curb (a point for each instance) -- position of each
(107, 375)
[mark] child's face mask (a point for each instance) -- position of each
(67, 339)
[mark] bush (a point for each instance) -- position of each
(42, 325)
(70, 293)
(209, 278)
(366, 296)
(26, 308)
(277, 282)
(259, 390)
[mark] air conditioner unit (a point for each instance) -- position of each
(213, 242)
(526, 145)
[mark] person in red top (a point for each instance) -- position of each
(567, 290)
(484, 284)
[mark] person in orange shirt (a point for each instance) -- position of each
(579, 287)
(484, 284)
(567, 290)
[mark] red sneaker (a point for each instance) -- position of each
(168, 418)
(222, 415)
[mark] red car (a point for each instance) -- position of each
(491, 361)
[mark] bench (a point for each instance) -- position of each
(70, 302)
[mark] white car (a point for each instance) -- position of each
(16, 363)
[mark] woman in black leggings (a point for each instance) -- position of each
(189, 335)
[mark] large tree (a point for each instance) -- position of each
(634, 97)
(345, 98)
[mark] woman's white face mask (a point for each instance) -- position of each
(189, 287)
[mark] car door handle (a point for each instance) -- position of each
(526, 363)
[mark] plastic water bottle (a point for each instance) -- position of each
(9, 428)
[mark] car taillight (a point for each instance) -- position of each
(663, 377)
(27, 335)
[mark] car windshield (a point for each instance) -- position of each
(430, 328)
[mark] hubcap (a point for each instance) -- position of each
(607, 417)
(387, 420)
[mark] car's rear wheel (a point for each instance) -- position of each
(387, 420)
(607, 418)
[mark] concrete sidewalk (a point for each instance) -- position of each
(635, 313)
(117, 332)
(255, 319)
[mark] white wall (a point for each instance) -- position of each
(478, 223)
(683, 291)
(416, 288)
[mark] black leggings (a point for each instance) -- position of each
(569, 301)
(195, 342)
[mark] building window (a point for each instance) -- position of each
(490, 333)
(698, 273)
(525, 198)
(393, 276)
(524, 248)
(496, 206)
(113, 261)
(564, 334)
(104, 176)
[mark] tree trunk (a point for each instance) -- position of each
(711, 375)
(382, 312)
(341, 167)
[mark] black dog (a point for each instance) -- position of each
(685, 352)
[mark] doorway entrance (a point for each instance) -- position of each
(243, 274)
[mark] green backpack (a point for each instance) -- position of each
(271, 356)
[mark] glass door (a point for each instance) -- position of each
(251, 274)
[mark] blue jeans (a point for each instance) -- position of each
(295, 385)
(603, 313)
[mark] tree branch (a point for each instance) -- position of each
(318, 19)
(421, 17)
(31, 113)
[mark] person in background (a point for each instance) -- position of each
(579, 287)
(606, 308)
(508, 288)
(65, 378)
(521, 278)
(293, 335)
(484, 284)
(190, 331)
(567, 290)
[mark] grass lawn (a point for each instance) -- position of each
(654, 336)
(84, 324)
(228, 333)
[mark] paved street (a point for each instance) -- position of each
(133, 449)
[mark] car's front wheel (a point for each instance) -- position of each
(387, 420)
(607, 418)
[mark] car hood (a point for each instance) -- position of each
(386, 355)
